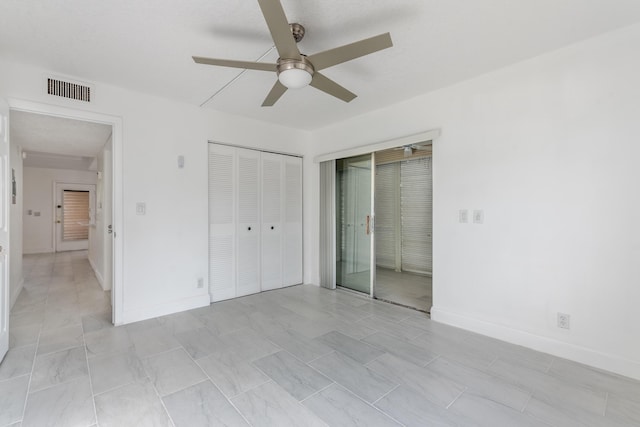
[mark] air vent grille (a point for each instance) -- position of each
(69, 90)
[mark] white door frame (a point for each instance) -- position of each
(5, 228)
(58, 188)
(117, 295)
(372, 229)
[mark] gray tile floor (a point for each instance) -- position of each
(408, 289)
(300, 356)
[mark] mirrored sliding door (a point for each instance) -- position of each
(355, 266)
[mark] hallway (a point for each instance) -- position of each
(61, 304)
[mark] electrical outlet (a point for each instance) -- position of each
(200, 283)
(564, 321)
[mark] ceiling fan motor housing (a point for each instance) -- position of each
(301, 64)
(295, 73)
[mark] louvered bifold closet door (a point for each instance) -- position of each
(416, 211)
(292, 221)
(222, 222)
(248, 222)
(272, 224)
(386, 200)
(75, 215)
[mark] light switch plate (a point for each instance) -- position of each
(478, 216)
(141, 208)
(463, 216)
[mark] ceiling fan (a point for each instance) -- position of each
(296, 70)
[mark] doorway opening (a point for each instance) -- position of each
(384, 220)
(63, 225)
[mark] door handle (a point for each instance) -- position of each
(109, 229)
(367, 223)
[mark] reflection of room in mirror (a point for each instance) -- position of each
(404, 224)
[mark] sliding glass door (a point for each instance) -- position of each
(355, 259)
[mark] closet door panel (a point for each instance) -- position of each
(222, 222)
(272, 207)
(248, 222)
(292, 266)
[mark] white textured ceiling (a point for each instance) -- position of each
(147, 45)
(57, 142)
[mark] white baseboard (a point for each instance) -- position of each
(97, 273)
(38, 251)
(144, 313)
(587, 356)
(16, 293)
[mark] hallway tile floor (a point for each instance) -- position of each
(299, 356)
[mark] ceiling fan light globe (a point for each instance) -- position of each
(295, 78)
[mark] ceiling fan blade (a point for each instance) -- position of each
(279, 28)
(277, 91)
(261, 66)
(345, 53)
(327, 85)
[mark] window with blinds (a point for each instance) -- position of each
(75, 215)
(404, 195)
(416, 210)
(387, 203)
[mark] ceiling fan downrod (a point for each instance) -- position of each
(298, 31)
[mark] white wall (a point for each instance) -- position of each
(165, 251)
(38, 232)
(549, 150)
(15, 233)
